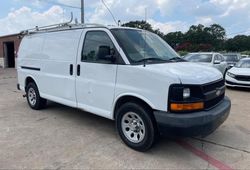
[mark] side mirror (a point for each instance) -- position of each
(112, 51)
(217, 61)
(106, 53)
(230, 66)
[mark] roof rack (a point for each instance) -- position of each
(60, 26)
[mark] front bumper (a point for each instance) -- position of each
(231, 82)
(193, 124)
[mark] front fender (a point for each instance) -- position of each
(140, 97)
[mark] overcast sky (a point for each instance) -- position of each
(167, 15)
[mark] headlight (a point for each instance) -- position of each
(185, 98)
(186, 93)
(230, 74)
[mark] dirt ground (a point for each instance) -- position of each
(61, 137)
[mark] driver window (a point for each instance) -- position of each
(97, 45)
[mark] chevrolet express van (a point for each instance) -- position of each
(128, 75)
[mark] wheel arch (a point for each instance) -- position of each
(123, 98)
(28, 80)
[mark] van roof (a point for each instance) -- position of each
(66, 26)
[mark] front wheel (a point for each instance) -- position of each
(135, 126)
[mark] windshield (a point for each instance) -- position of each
(243, 64)
(232, 58)
(143, 46)
(206, 58)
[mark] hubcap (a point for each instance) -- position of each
(133, 127)
(32, 96)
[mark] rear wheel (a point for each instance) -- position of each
(135, 126)
(33, 97)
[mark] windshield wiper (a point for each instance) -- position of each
(177, 59)
(151, 58)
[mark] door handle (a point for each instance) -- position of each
(71, 69)
(78, 70)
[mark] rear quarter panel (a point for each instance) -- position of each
(52, 53)
(31, 45)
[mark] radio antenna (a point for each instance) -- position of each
(145, 38)
(110, 12)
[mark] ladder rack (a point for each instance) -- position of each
(58, 27)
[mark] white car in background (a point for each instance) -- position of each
(244, 56)
(231, 59)
(239, 76)
(215, 60)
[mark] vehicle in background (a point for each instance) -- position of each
(231, 59)
(239, 75)
(244, 56)
(215, 60)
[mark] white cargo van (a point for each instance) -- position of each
(128, 75)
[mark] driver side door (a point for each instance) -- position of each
(96, 74)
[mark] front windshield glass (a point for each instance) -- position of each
(243, 64)
(143, 46)
(231, 58)
(206, 58)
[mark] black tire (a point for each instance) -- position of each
(39, 102)
(145, 115)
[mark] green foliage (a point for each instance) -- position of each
(143, 25)
(139, 24)
(174, 38)
(199, 38)
(245, 53)
(238, 43)
(182, 53)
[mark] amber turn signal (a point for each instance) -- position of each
(186, 106)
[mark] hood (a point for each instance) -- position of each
(240, 71)
(203, 63)
(231, 62)
(188, 73)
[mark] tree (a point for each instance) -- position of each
(198, 38)
(158, 32)
(218, 35)
(205, 38)
(139, 24)
(174, 38)
(238, 43)
(217, 31)
(143, 25)
(197, 34)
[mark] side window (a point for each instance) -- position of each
(222, 58)
(97, 47)
(216, 58)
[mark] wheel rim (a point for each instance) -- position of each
(133, 127)
(32, 96)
